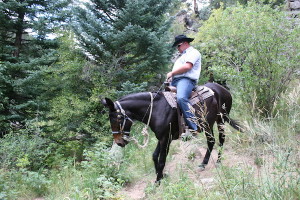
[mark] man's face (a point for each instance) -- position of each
(181, 46)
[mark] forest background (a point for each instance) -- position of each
(59, 57)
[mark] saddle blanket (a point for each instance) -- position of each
(199, 94)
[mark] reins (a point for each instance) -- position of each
(145, 129)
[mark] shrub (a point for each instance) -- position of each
(17, 183)
(23, 151)
(256, 48)
(98, 159)
(97, 177)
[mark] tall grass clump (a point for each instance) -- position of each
(273, 145)
(277, 181)
(182, 188)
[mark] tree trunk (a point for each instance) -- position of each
(19, 33)
(196, 8)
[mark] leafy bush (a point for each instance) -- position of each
(97, 177)
(98, 159)
(17, 183)
(24, 151)
(256, 48)
(72, 183)
(73, 118)
(104, 165)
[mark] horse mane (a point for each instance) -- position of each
(139, 95)
(132, 96)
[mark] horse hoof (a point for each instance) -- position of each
(218, 164)
(202, 167)
(157, 183)
(165, 175)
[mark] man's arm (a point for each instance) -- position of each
(184, 68)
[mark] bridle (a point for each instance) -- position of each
(127, 118)
(120, 116)
(125, 134)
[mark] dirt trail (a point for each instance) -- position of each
(187, 158)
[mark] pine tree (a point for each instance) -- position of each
(25, 50)
(128, 39)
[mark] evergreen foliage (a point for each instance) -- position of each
(128, 88)
(73, 118)
(128, 39)
(25, 52)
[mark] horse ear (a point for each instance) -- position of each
(109, 104)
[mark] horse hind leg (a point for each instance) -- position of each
(210, 144)
(221, 128)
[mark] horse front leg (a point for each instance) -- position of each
(164, 145)
(155, 157)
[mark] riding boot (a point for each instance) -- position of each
(188, 134)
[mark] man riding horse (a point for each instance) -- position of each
(184, 76)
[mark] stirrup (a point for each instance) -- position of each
(170, 88)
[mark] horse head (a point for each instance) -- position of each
(120, 122)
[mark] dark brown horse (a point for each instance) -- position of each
(164, 121)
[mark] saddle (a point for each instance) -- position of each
(198, 95)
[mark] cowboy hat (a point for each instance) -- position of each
(181, 38)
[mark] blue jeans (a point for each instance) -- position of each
(184, 89)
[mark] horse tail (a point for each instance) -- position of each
(233, 123)
(224, 103)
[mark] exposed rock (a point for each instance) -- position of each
(294, 4)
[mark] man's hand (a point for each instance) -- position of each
(169, 76)
(183, 69)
